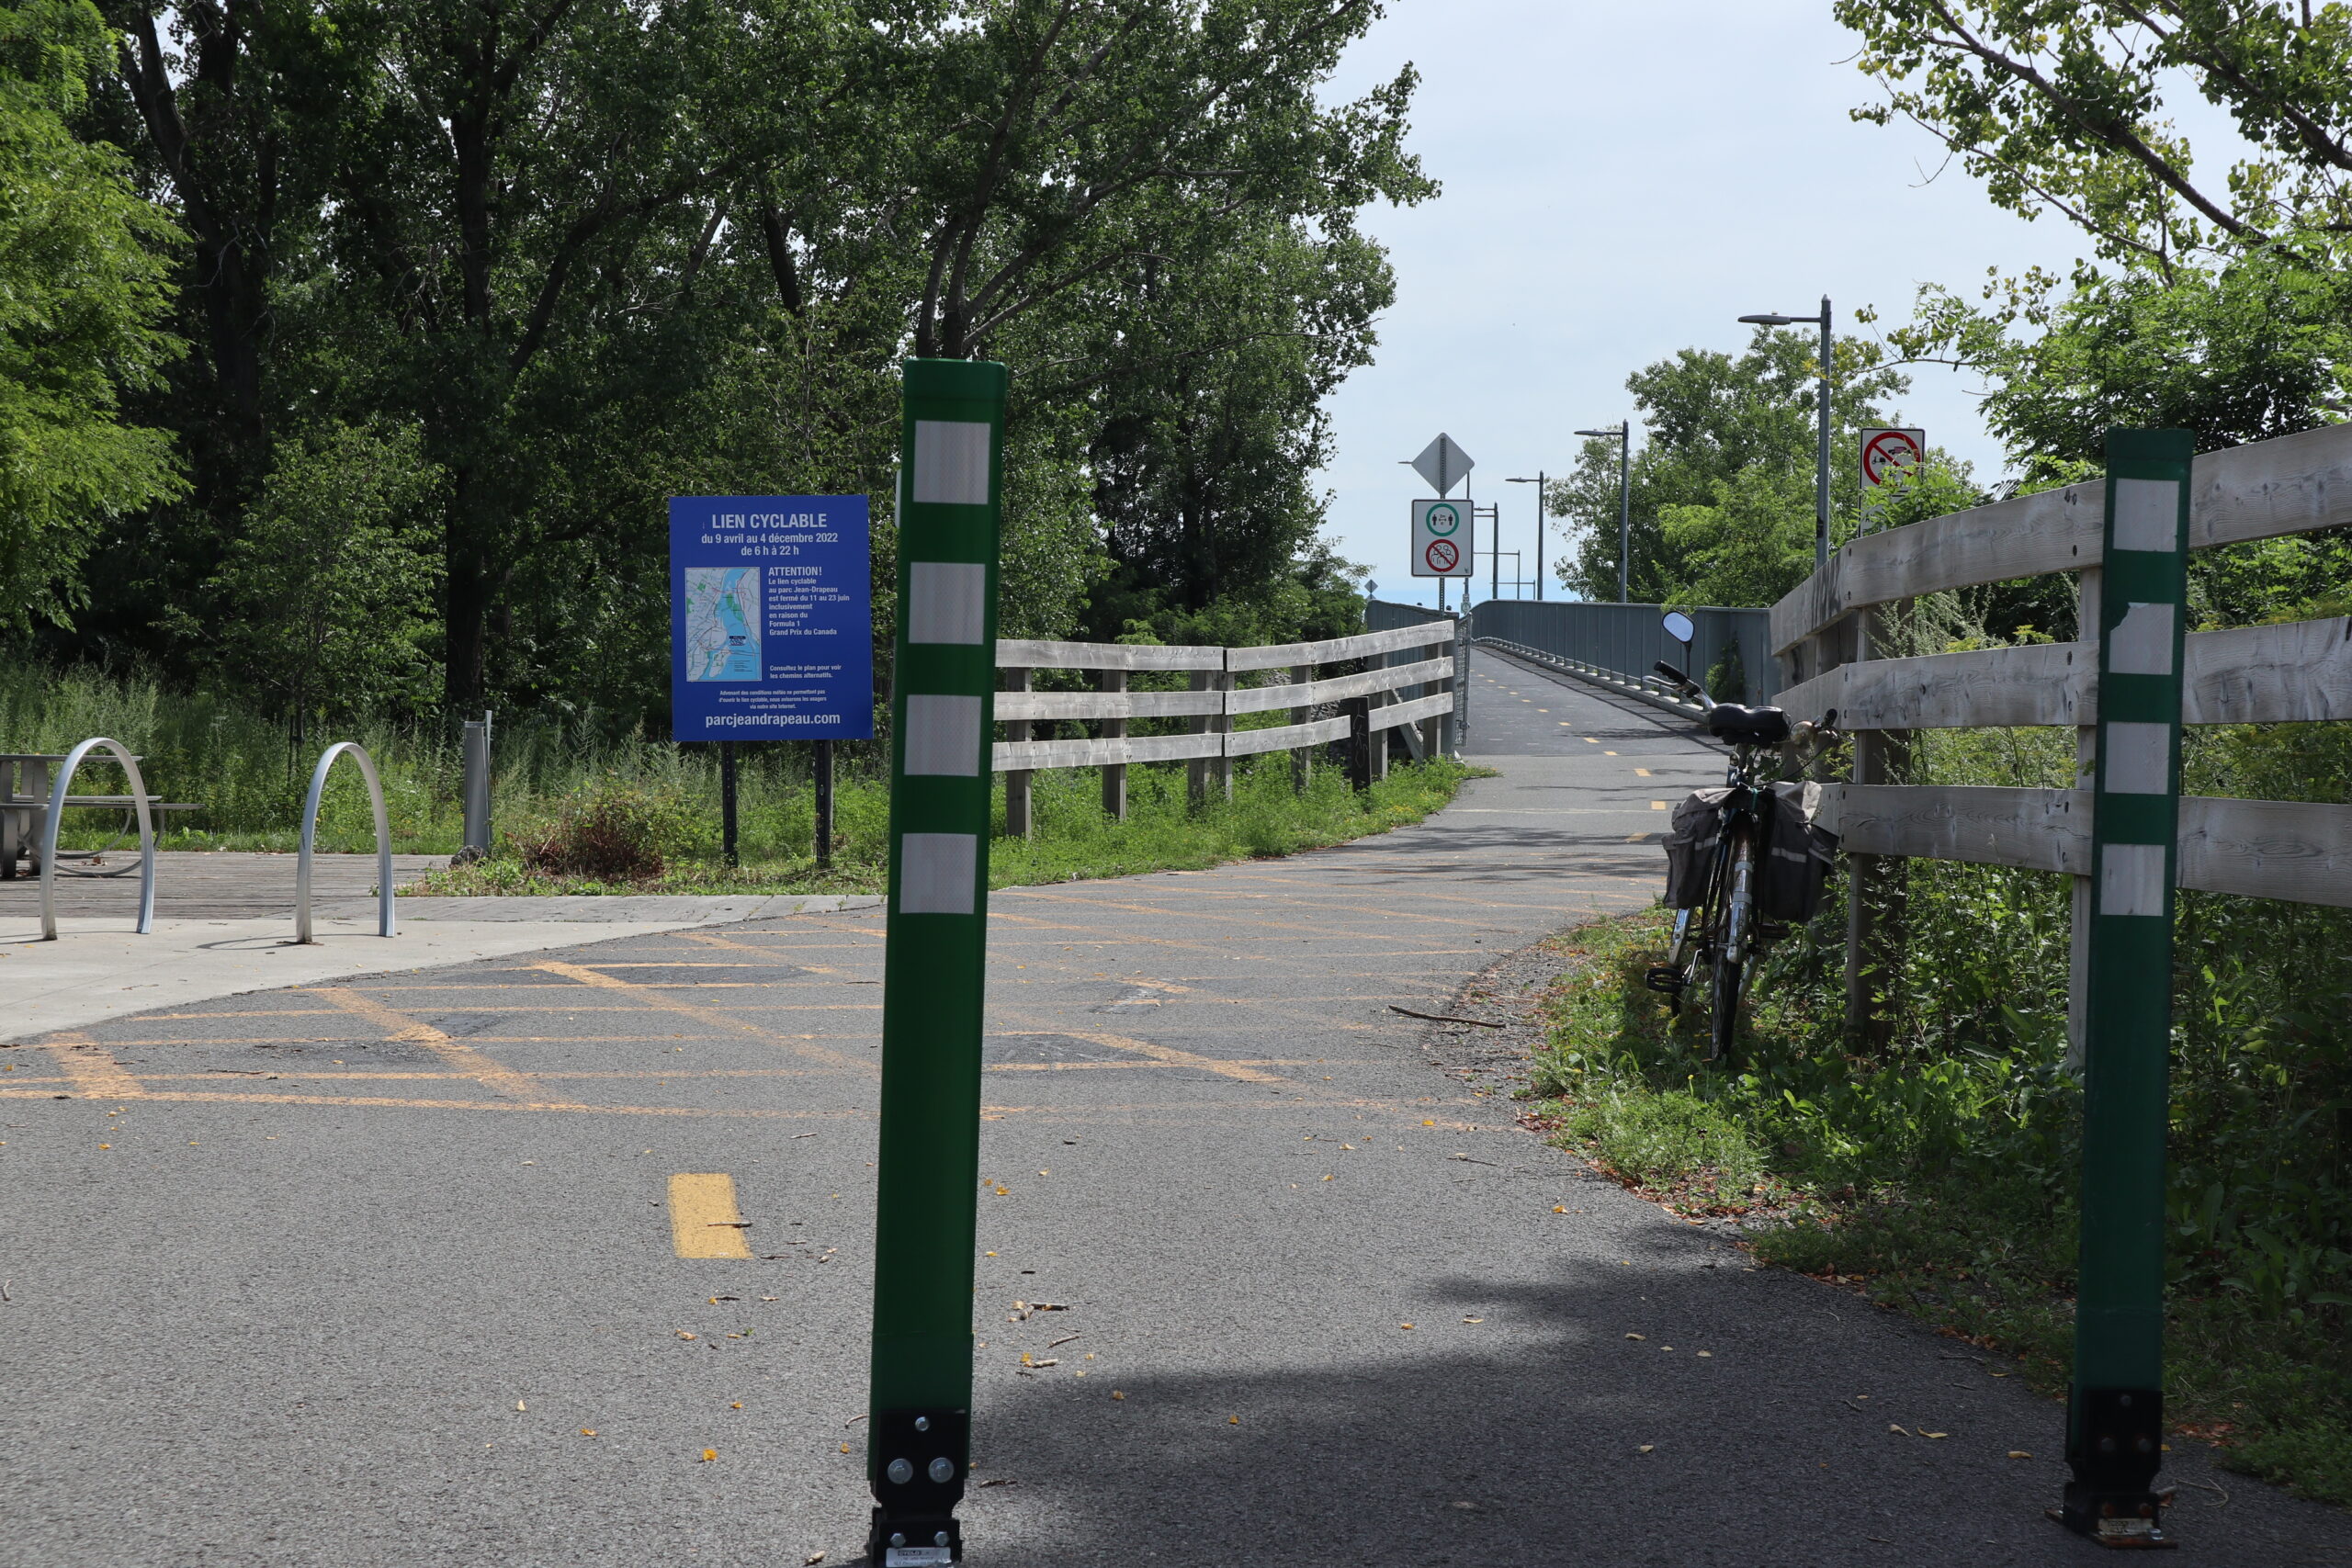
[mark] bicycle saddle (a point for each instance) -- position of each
(1747, 725)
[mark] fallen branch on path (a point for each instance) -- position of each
(1446, 1018)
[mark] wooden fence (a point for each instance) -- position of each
(2300, 671)
(1374, 701)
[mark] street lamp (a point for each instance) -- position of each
(1538, 482)
(1821, 468)
(1623, 432)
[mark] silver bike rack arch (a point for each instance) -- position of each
(384, 923)
(56, 814)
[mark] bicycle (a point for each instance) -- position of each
(1723, 931)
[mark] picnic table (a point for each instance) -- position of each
(24, 808)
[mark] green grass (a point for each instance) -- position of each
(1943, 1182)
(1074, 838)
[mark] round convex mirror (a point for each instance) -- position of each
(1679, 626)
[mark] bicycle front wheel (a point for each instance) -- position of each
(1731, 955)
(1723, 1006)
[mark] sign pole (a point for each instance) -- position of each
(824, 806)
(727, 803)
(943, 706)
(2115, 1406)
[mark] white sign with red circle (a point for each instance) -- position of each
(1888, 448)
(1441, 538)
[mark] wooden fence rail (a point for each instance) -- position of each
(1376, 700)
(1824, 633)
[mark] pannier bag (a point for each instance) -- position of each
(1690, 847)
(1796, 855)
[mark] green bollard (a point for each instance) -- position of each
(943, 706)
(2115, 1408)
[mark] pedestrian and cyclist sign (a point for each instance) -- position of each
(1442, 539)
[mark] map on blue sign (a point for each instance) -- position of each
(722, 616)
(770, 619)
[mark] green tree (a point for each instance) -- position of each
(1210, 391)
(83, 302)
(1723, 498)
(2059, 106)
(598, 253)
(332, 587)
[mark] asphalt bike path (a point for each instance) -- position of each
(435, 1267)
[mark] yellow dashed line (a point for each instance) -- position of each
(704, 1221)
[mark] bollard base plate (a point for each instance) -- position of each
(909, 1542)
(2127, 1527)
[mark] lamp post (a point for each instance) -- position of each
(1821, 468)
(1623, 432)
(1538, 482)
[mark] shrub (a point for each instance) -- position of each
(615, 831)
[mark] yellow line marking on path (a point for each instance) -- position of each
(1096, 936)
(1220, 1107)
(1372, 903)
(490, 1072)
(1658, 806)
(1164, 911)
(704, 1221)
(685, 964)
(1643, 773)
(1167, 1055)
(1424, 893)
(394, 1102)
(92, 1069)
(710, 1015)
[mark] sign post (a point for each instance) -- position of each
(919, 1423)
(2115, 1407)
(770, 627)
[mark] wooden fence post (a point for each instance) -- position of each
(1196, 771)
(1875, 885)
(1019, 820)
(1301, 757)
(1221, 723)
(2078, 930)
(1359, 712)
(1114, 775)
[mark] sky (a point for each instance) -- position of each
(1624, 179)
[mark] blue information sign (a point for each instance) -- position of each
(771, 620)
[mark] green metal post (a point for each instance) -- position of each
(942, 704)
(2115, 1411)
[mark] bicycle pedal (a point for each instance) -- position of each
(1660, 979)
